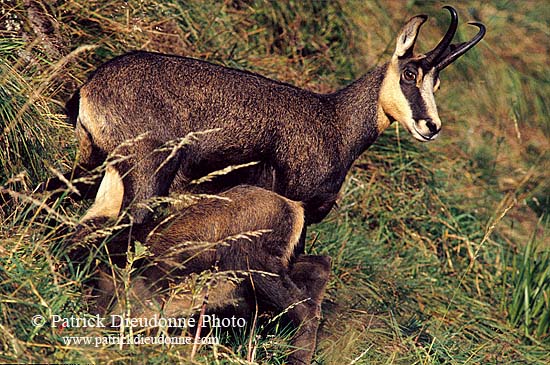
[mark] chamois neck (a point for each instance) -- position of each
(358, 112)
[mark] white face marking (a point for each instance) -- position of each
(427, 93)
(395, 104)
(391, 99)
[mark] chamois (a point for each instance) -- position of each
(246, 231)
(304, 142)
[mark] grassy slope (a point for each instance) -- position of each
(428, 241)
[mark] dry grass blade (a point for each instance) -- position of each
(221, 172)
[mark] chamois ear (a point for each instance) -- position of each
(407, 37)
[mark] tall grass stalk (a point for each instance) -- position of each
(529, 305)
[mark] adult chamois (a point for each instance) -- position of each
(246, 233)
(305, 142)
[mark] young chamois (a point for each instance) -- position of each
(304, 142)
(248, 233)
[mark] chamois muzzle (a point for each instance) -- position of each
(446, 53)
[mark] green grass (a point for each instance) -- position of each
(25, 143)
(529, 307)
(440, 251)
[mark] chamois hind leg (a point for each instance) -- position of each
(91, 157)
(109, 197)
(135, 173)
(148, 173)
(107, 205)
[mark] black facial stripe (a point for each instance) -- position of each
(411, 92)
(413, 96)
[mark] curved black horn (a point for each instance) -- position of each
(462, 47)
(433, 55)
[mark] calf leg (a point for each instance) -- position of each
(283, 294)
(144, 295)
(311, 273)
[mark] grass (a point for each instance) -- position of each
(528, 307)
(440, 251)
(26, 143)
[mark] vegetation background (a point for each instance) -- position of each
(440, 251)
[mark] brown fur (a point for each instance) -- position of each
(305, 142)
(267, 274)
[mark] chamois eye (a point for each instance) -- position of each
(409, 76)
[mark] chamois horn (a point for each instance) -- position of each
(433, 56)
(461, 48)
